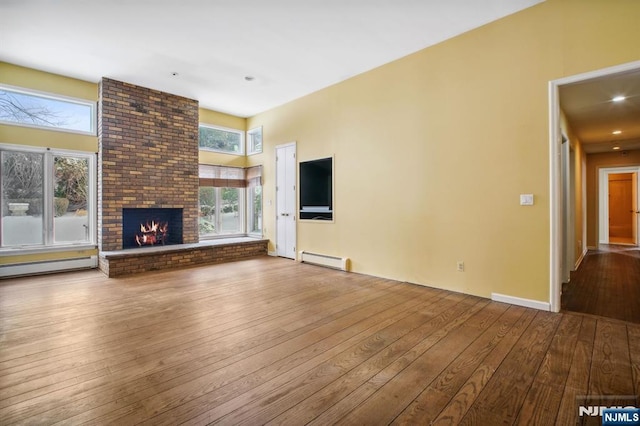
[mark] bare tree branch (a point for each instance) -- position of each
(11, 109)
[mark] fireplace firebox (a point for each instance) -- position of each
(149, 227)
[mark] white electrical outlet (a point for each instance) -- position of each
(460, 266)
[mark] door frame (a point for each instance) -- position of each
(295, 195)
(567, 165)
(603, 198)
(555, 176)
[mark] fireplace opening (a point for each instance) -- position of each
(151, 227)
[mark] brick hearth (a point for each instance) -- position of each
(128, 262)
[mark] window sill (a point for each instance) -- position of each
(14, 251)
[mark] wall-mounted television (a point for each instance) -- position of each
(316, 189)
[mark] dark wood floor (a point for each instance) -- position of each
(272, 341)
(607, 283)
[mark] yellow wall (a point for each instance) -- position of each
(46, 82)
(594, 163)
(16, 135)
(433, 150)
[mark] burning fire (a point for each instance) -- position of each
(152, 233)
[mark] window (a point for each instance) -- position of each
(47, 198)
(220, 211)
(220, 139)
(254, 200)
(224, 193)
(254, 141)
(28, 108)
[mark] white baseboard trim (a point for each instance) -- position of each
(48, 266)
(527, 303)
(580, 259)
(272, 253)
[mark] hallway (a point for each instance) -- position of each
(606, 284)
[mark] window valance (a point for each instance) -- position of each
(229, 177)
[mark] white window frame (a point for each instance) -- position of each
(49, 243)
(56, 97)
(249, 214)
(242, 194)
(225, 129)
(251, 149)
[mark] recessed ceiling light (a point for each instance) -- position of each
(615, 148)
(619, 98)
(616, 132)
(175, 74)
(249, 78)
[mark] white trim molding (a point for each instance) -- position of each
(527, 303)
(555, 182)
(580, 259)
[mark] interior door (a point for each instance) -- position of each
(621, 215)
(286, 201)
(635, 208)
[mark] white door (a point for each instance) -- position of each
(286, 200)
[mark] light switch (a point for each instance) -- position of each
(526, 199)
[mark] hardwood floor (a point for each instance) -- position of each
(607, 283)
(270, 341)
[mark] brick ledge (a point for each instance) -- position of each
(154, 250)
(135, 261)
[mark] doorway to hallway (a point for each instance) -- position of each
(597, 111)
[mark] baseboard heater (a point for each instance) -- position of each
(48, 266)
(341, 263)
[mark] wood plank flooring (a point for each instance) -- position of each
(607, 283)
(271, 341)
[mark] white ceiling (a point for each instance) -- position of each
(291, 47)
(594, 116)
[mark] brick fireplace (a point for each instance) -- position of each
(148, 159)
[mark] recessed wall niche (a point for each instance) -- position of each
(316, 189)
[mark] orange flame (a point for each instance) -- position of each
(152, 233)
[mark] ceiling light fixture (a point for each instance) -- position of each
(616, 132)
(175, 74)
(619, 98)
(615, 148)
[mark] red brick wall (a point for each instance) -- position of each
(148, 157)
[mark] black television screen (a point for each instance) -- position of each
(316, 189)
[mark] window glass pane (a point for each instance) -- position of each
(207, 219)
(71, 191)
(255, 141)
(255, 210)
(220, 140)
(36, 110)
(230, 211)
(22, 198)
